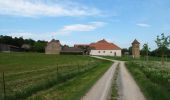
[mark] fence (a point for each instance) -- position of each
(24, 84)
(2, 87)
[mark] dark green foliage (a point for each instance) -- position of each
(157, 52)
(36, 46)
(130, 50)
(39, 46)
(12, 41)
(163, 43)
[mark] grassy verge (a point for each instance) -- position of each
(75, 88)
(129, 58)
(152, 80)
(114, 91)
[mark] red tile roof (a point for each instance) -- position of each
(104, 45)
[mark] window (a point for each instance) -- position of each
(110, 51)
(103, 51)
(98, 51)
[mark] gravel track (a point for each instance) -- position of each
(127, 87)
(101, 89)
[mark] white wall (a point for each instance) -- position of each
(106, 52)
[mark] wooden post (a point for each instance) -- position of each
(78, 68)
(3, 78)
(57, 72)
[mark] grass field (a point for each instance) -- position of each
(40, 76)
(153, 78)
(75, 88)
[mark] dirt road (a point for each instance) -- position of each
(128, 89)
(101, 89)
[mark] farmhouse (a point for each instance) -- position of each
(104, 48)
(101, 48)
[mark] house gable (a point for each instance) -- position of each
(104, 45)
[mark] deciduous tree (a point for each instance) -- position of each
(145, 49)
(163, 43)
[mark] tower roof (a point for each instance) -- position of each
(135, 42)
(53, 40)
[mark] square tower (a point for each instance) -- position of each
(135, 49)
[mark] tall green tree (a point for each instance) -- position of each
(163, 43)
(145, 49)
(39, 46)
(130, 50)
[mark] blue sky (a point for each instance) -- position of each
(86, 21)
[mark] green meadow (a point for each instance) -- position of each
(38, 76)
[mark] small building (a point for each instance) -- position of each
(53, 47)
(26, 47)
(72, 50)
(81, 45)
(9, 48)
(135, 49)
(84, 47)
(104, 48)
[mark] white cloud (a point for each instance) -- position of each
(143, 25)
(35, 36)
(80, 27)
(65, 31)
(35, 8)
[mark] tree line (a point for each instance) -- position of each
(162, 42)
(162, 49)
(31, 45)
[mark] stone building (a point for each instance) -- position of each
(135, 49)
(53, 47)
